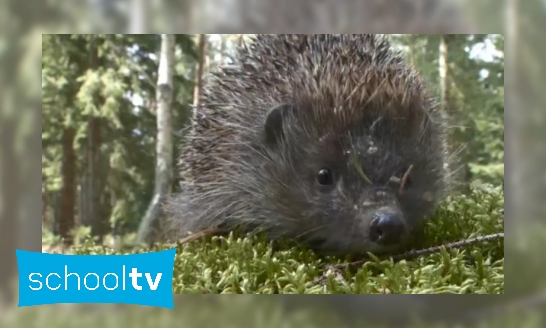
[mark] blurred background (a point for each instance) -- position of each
(106, 83)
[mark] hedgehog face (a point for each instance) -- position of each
(364, 187)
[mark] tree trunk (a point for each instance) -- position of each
(222, 50)
(447, 104)
(66, 220)
(199, 70)
(95, 178)
(206, 55)
(81, 201)
(164, 149)
(93, 181)
(113, 223)
(442, 69)
(412, 49)
(443, 77)
(57, 195)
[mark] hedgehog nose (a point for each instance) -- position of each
(387, 229)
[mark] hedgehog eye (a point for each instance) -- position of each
(324, 177)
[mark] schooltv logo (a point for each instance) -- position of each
(140, 279)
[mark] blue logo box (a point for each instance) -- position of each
(140, 279)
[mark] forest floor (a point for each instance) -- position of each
(249, 265)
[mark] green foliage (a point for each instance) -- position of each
(250, 265)
(475, 102)
(50, 239)
(74, 88)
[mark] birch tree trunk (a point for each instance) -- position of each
(412, 49)
(164, 149)
(442, 69)
(446, 106)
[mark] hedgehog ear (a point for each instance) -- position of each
(274, 123)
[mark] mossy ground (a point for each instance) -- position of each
(237, 264)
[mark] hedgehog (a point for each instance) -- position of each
(329, 140)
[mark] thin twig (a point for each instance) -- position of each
(453, 245)
(415, 253)
(404, 179)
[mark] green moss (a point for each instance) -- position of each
(250, 265)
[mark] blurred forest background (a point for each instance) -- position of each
(100, 110)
